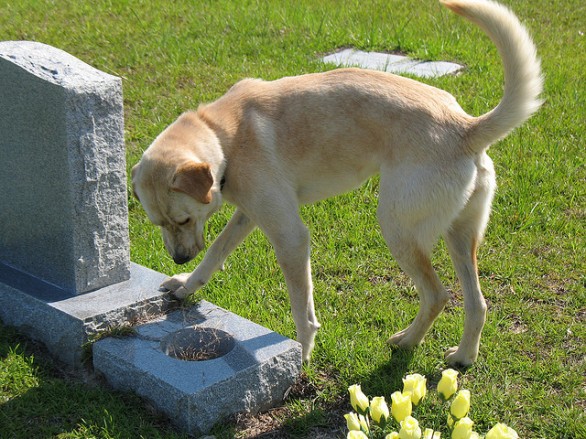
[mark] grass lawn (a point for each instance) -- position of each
(174, 54)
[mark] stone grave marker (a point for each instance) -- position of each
(62, 169)
(65, 271)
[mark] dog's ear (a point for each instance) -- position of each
(195, 180)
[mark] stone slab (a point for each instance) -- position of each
(63, 196)
(255, 375)
(63, 321)
(392, 63)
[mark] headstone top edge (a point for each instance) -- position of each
(52, 64)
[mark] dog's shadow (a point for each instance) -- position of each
(388, 377)
(328, 420)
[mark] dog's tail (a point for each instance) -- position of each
(523, 80)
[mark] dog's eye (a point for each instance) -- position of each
(182, 223)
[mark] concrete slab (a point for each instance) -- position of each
(398, 64)
(251, 374)
(63, 321)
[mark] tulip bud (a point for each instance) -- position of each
(363, 424)
(430, 434)
(352, 421)
(400, 406)
(502, 431)
(358, 399)
(461, 404)
(356, 435)
(410, 429)
(393, 435)
(462, 429)
(448, 384)
(415, 385)
(379, 411)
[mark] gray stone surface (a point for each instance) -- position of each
(63, 322)
(391, 63)
(64, 232)
(255, 375)
(63, 208)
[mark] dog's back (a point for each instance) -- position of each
(328, 132)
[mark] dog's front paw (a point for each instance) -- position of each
(177, 285)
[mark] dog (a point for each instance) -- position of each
(269, 146)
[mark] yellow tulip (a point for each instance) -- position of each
(502, 431)
(356, 435)
(352, 421)
(415, 385)
(461, 404)
(410, 429)
(363, 424)
(393, 435)
(430, 434)
(462, 429)
(358, 399)
(379, 411)
(448, 384)
(400, 406)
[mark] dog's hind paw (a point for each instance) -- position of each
(455, 357)
(405, 339)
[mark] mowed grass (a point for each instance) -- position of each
(173, 55)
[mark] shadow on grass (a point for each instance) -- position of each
(388, 377)
(39, 399)
(317, 405)
(326, 420)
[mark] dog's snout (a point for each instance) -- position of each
(181, 259)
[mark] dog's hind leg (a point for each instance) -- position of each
(462, 248)
(410, 238)
(414, 261)
(462, 240)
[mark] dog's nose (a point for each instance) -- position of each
(181, 259)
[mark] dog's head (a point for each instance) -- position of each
(177, 186)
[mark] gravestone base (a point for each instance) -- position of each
(63, 321)
(253, 370)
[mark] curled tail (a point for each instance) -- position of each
(523, 80)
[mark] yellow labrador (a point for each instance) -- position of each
(268, 147)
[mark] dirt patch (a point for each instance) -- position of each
(307, 417)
